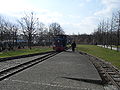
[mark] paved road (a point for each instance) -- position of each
(66, 71)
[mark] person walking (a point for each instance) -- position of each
(73, 45)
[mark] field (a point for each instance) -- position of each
(24, 51)
(103, 53)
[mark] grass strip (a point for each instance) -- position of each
(103, 53)
(24, 51)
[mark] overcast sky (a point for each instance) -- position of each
(75, 16)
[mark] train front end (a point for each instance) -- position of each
(60, 42)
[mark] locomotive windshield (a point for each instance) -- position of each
(60, 41)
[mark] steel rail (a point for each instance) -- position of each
(105, 69)
(15, 69)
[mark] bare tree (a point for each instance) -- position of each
(100, 33)
(8, 33)
(28, 24)
(1, 28)
(40, 32)
(112, 27)
(107, 28)
(108, 33)
(118, 31)
(55, 29)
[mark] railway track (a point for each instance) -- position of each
(22, 66)
(23, 56)
(13, 61)
(109, 74)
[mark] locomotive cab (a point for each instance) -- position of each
(60, 42)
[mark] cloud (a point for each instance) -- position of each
(86, 25)
(104, 12)
(74, 16)
(108, 7)
(13, 5)
(18, 8)
(81, 4)
(109, 2)
(88, 0)
(48, 17)
(70, 23)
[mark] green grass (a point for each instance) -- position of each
(103, 53)
(24, 52)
